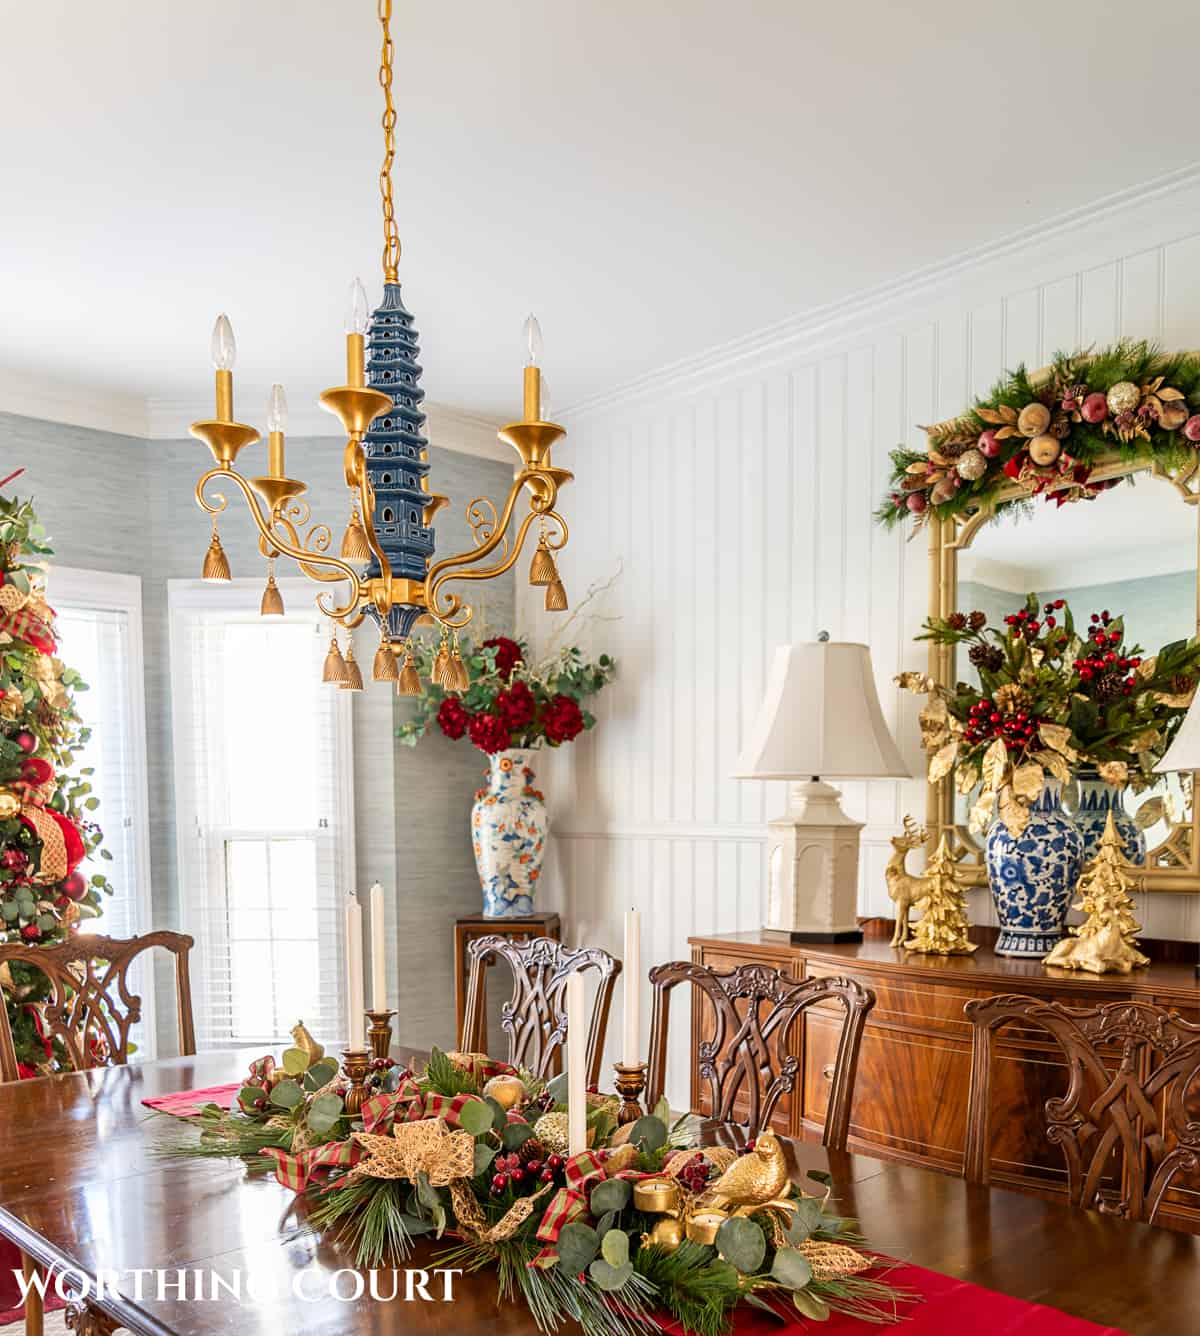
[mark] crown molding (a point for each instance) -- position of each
(156, 419)
(73, 404)
(853, 316)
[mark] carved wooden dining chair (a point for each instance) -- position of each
(749, 1054)
(535, 1017)
(90, 1012)
(1131, 1068)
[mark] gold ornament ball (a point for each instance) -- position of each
(551, 1130)
(1045, 449)
(666, 1234)
(971, 464)
(1033, 419)
(1124, 397)
(507, 1091)
(10, 805)
(1174, 414)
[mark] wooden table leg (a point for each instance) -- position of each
(33, 1299)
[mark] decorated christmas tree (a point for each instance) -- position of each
(942, 930)
(46, 830)
(1104, 942)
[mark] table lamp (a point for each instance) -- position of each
(820, 719)
(1184, 751)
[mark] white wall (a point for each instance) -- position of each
(736, 492)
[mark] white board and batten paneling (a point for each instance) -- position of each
(734, 495)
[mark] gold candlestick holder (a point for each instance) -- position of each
(380, 1034)
(630, 1083)
(356, 1063)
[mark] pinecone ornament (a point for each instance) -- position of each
(1181, 684)
(988, 658)
(1109, 686)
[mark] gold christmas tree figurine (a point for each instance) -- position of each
(1105, 942)
(942, 930)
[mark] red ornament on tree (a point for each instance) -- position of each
(25, 740)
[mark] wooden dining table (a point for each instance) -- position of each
(85, 1187)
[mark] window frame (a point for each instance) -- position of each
(115, 591)
(241, 597)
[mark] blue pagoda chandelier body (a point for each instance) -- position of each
(385, 572)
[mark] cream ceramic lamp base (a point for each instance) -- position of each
(812, 868)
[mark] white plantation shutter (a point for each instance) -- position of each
(99, 630)
(264, 813)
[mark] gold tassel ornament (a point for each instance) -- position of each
(457, 677)
(441, 663)
(354, 677)
(556, 596)
(354, 541)
(216, 563)
(409, 681)
(334, 671)
(542, 570)
(384, 667)
(272, 599)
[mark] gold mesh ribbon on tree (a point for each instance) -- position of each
(473, 1222)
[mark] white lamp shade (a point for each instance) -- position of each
(1184, 752)
(820, 716)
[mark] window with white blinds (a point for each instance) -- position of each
(264, 803)
(99, 629)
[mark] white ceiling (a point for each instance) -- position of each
(652, 178)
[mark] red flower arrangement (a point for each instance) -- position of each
(511, 702)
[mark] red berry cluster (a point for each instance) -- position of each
(1106, 659)
(986, 722)
(514, 1173)
(694, 1175)
(1025, 623)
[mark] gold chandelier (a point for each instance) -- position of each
(386, 553)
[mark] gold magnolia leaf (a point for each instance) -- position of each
(942, 762)
(921, 683)
(1145, 741)
(981, 813)
(995, 763)
(940, 459)
(1151, 811)
(1010, 415)
(966, 777)
(918, 466)
(1174, 701)
(1027, 781)
(990, 416)
(1055, 764)
(1005, 432)
(1013, 813)
(1170, 394)
(1058, 738)
(1115, 773)
(1148, 667)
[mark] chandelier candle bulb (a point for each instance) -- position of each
(224, 354)
(576, 1067)
(355, 995)
(632, 970)
(378, 950)
(276, 426)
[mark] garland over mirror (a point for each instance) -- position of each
(1062, 639)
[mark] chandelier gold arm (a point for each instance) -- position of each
(281, 542)
(483, 520)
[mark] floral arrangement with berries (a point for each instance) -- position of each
(1050, 699)
(1047, 431)
(476, 1152)
(46, 826)
(508, 701)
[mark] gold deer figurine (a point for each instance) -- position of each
(903, 887)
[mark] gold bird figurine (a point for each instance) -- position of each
(754, 1179)
(306, 1043)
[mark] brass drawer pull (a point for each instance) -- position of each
(827, 1071)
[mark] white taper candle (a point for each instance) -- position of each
(576, 1067)
(355, 996)
(378, 951)
(632, 971)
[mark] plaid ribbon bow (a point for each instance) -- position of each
(297, 1171)
(582, 1172)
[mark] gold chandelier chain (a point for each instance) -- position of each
(391, 236)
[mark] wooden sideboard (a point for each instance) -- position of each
(910, 1100)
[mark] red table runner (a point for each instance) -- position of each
(186, 1103)
(948, 1307)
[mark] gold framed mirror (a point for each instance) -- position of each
(1133, 548)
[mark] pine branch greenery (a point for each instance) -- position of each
(371, 1217)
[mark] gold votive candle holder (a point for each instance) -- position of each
(702, 1227)
(656, 1194)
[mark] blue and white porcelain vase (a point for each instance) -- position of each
(508, 830)
(1033, 877)
(1096, 799)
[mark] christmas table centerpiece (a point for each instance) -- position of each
(631, 1225)
(508, 708)
(1052, 702)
